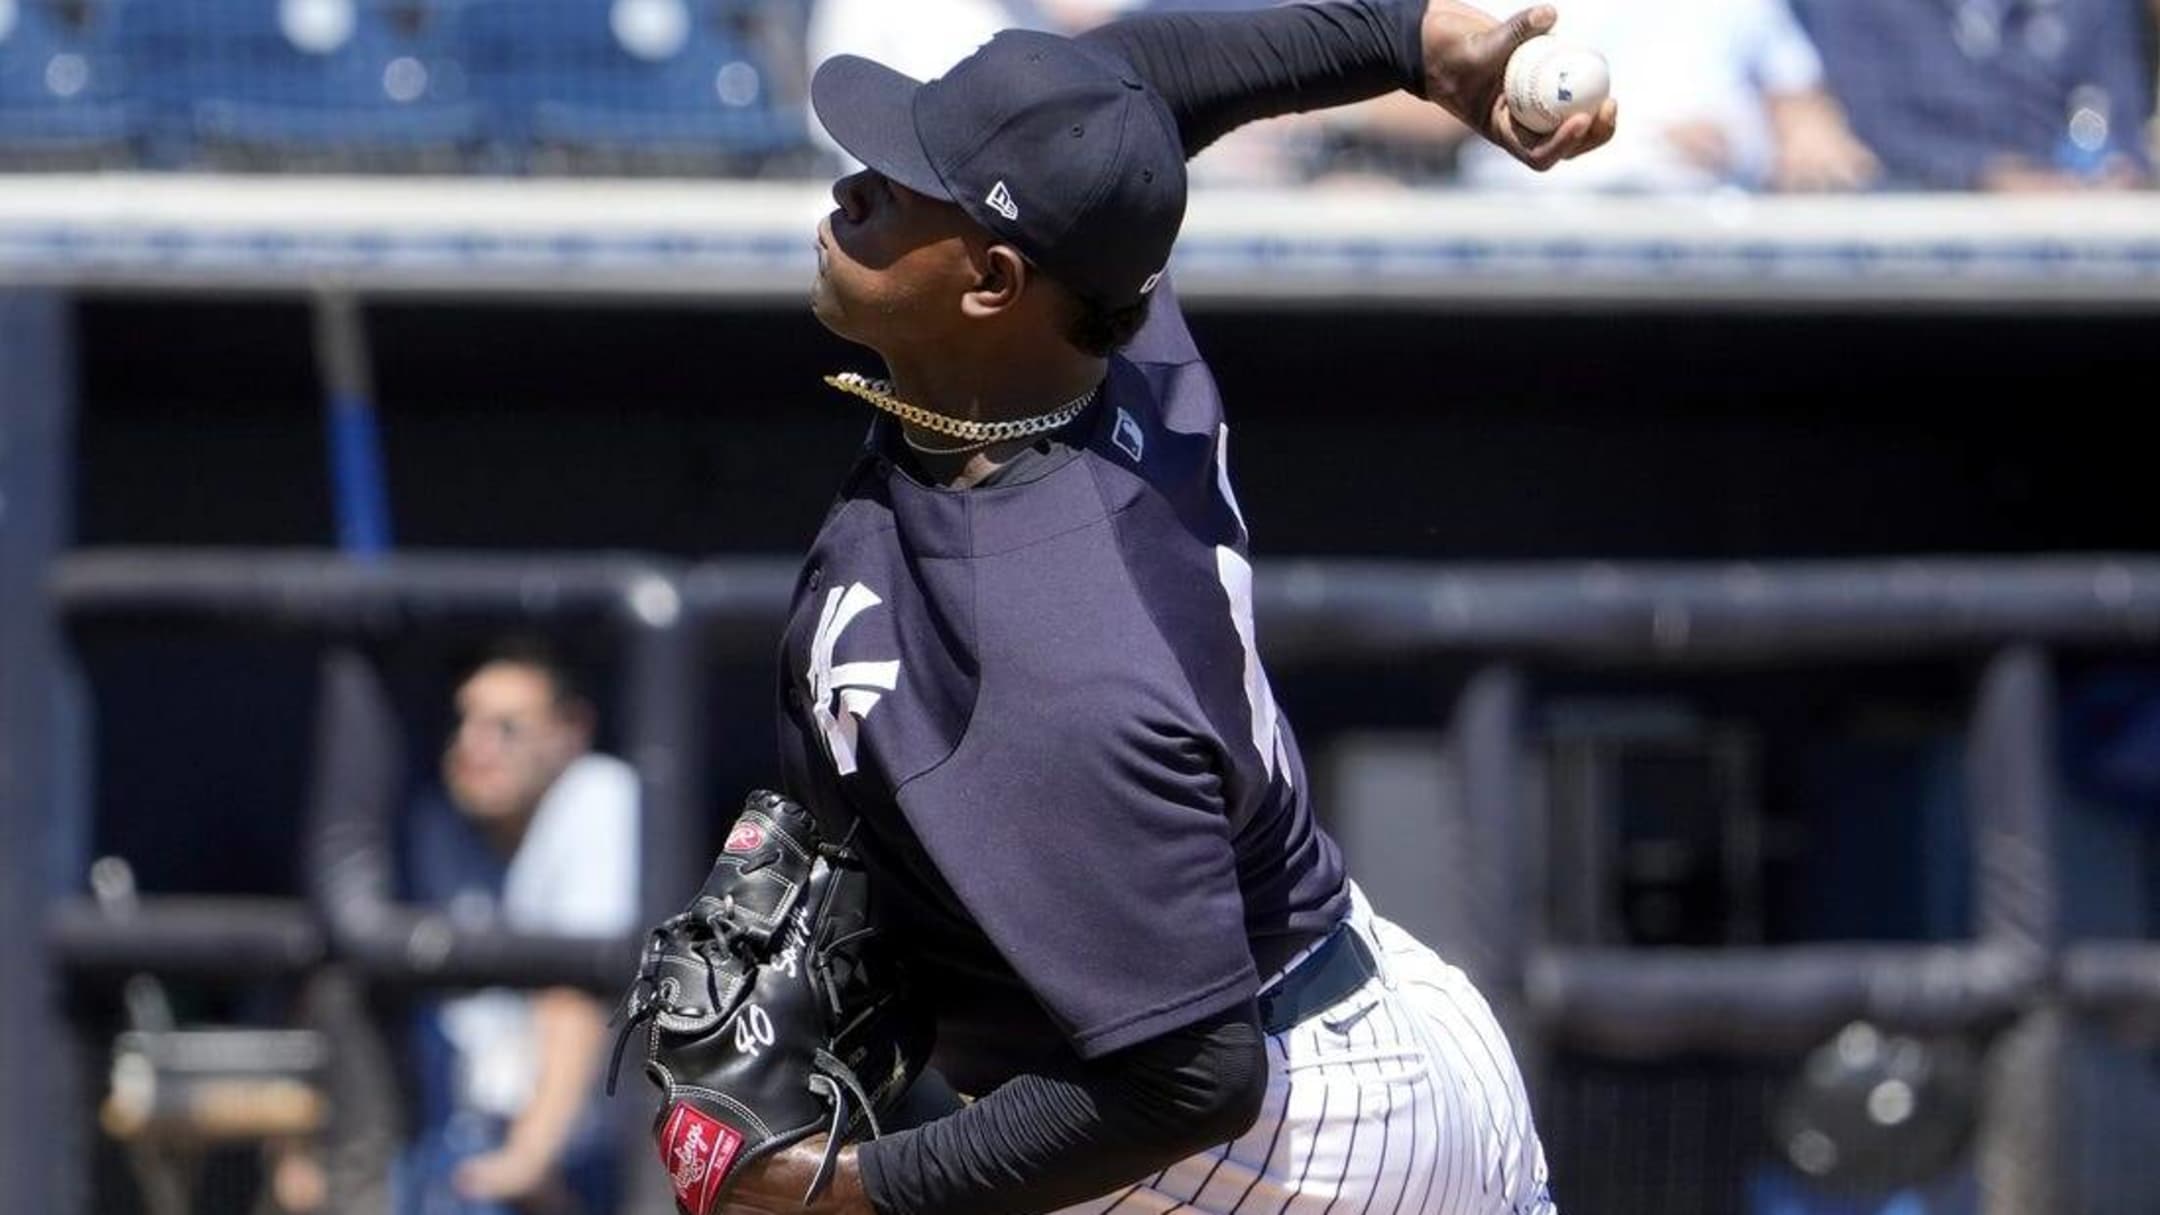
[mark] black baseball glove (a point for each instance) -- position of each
(771, 1012)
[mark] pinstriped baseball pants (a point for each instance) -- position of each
(1402, 1099)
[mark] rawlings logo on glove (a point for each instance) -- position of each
(698, 1151)
(746, 837)
(765, 1002)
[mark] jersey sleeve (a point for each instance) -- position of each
(1080, 821)
(1218, 71)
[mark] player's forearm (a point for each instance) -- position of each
(1042, 1143)
(570, 1029)
(1219, 71)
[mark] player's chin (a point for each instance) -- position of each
(829, 305)
(825, 306)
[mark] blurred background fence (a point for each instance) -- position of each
(1722, 615)
(1673, 1078)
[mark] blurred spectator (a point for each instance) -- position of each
(533, 832)
(1079, 16)
(1713, 93)
(2003, 95)
(2152, 100)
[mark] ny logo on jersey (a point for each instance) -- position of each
(841, 696)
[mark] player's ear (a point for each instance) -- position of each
(1002, 278)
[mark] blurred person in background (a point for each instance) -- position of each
(2007, 96)
(1721, 94)
(531, 831)
(1071, 17)
(2152, 100)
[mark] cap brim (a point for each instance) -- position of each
(869, 110)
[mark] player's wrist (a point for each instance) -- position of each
(846, 1195)
(782, 1181)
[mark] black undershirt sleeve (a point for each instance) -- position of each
(1042, 1142)
(1221, 70)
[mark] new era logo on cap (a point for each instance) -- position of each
(1001, 201)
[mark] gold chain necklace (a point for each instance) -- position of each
(976, 434)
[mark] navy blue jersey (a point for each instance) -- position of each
(1084, 813)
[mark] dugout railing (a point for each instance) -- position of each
(358, 614)
(2016, 979)
(354, 610)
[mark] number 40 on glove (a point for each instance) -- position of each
(770, 1011)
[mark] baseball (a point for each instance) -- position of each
(1549, 79)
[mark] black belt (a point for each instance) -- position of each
(1328, 975)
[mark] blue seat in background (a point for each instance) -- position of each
(303, 81)
(64, 92)
(693, 85)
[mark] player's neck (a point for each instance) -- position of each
(967, 469)
(992, 385)
(995, 389)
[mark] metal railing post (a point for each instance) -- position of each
(1499, 904)
(2009, 768)
(36, 395)
(664, 742)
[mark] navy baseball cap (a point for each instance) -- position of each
(1061, 152)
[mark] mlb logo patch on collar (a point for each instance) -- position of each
(1128, 436)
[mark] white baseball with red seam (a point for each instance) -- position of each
(1550, 79)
